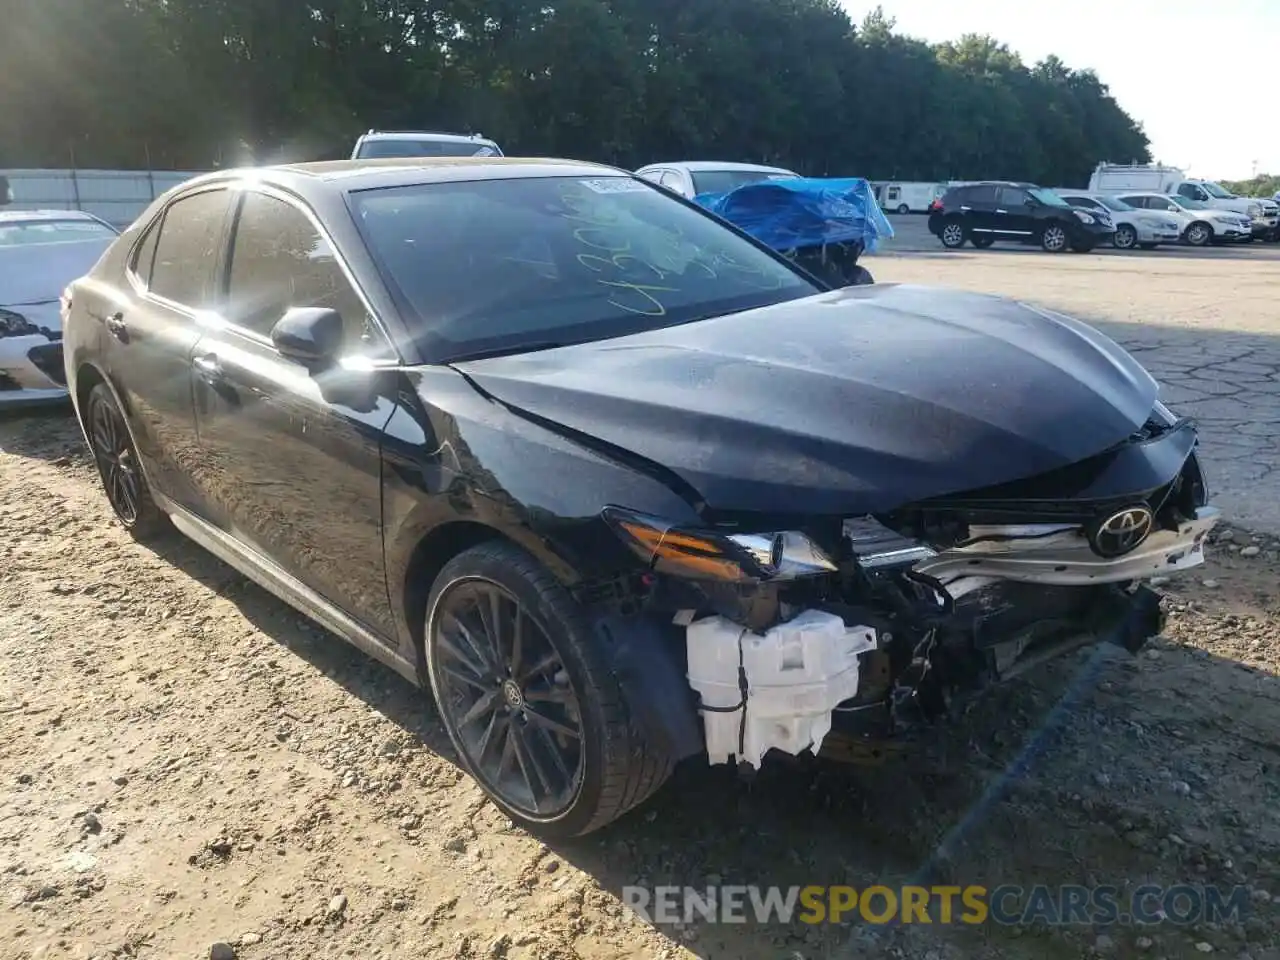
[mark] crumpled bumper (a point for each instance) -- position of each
(31, 370)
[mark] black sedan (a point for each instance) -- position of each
(615, 484)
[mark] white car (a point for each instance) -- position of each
(422, 143)
(41, 252)
(692, 177)
(1134, 227)
(1208, 224)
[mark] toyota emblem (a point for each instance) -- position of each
(1122, 531)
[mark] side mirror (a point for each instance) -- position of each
(310, 335)
(6, 192)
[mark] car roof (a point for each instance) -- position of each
(13, 216)
(326, 176)
(424, 135)
(995, 183)
(695, 165)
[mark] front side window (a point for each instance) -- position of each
(722, 181)
(1215, 190)
(188, 247)
(279, 260)
(1188, 204)
(1011, 197)
(1191, 191)
(507, 265)
(1111, 203)
(24, 233)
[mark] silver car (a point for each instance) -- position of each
(1134, 227)
(692, 177)
(41, 252)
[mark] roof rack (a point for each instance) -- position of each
(447, 133)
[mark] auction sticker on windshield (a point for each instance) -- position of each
(614, 185)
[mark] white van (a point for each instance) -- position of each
(898, 197)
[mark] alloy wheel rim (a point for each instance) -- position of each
(116, 462)
(1055, 238)
(1197, 233)
(952, 234)
(1125, 238)
(508, 699)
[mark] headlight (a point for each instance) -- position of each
(699, 553)
(15, 325)
(1084, 217)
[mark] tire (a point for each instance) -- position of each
(903, 208)
(1053, 238)
(1148, 246)
(1126, 238)
(119, 468)
(982, 242)
(953, 234)
(1199, 234)
(614, 767)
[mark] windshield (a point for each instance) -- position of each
(1047, 197)
(1188, 204)
(1214, 190)
(419, 147)
(507, 265)
(722, 181)
(28, 232)
(1114, 204)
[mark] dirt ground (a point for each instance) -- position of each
(189, 770)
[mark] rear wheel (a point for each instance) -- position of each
(118, 467)
(953, 234)
(532, 709)
(1199, 234)
(903, 208)
(1126, 238)
(983, 242)
(1053, 237)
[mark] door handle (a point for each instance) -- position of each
(116, 326)
(208, 368)
(998, 210)
(965, 209)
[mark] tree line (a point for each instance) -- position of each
(192, 84)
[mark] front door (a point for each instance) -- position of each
(294, 457)
(1015, 212)
(149, 339)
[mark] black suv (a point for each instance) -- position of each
(993, 210)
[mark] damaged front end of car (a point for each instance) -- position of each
(878, 626)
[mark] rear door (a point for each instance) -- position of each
(293, 456)
(172, 271)
(978, 206)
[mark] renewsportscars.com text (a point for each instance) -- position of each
(1181, 904)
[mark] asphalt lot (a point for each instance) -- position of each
(1205, 322)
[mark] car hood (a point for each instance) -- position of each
(33, 276)
(850, 402)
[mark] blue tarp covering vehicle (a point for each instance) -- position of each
(823, 224)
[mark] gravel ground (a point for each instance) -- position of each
(190, 770)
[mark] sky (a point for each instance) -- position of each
(1200, 77)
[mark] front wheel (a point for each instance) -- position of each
(528, 701)
(903, 208)
(952, 235)
(1126, 238)
(1053, 238)
(1199, 234)
(118, 466)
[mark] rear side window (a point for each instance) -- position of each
(188, 248)
(145, 254)
(981, 194)
(279, 260)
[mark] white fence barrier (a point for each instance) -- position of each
(117, 196)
